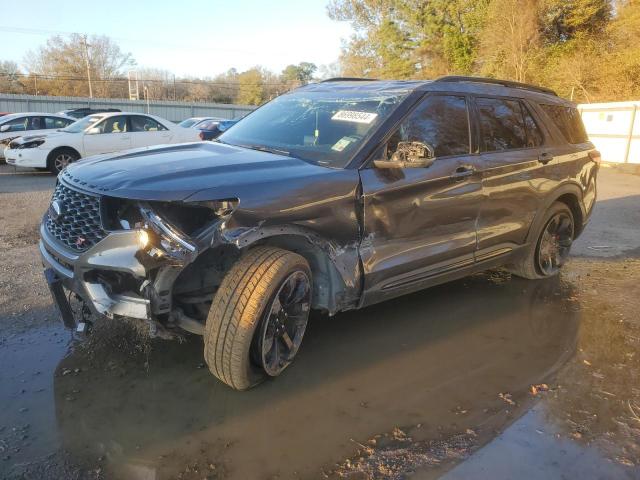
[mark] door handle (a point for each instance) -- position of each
(545, 158)
(463, 172)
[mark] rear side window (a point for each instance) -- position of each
(55, 122)
(501, 124)
(568, 121)
(440, 121)
(140, 123)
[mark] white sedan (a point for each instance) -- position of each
(15, 125)
(93, 135)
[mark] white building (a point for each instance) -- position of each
(614, 128)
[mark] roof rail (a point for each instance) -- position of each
(348, 79)
(504, 83)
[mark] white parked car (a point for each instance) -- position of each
(93, 135)
(30, 123)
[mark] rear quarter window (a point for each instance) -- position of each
(568, 121)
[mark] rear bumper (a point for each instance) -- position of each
(115, 253)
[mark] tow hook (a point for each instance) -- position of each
(85, 325)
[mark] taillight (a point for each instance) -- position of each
(201, 135)
(595, 156)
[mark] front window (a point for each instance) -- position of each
(82, 124)
(113, 125)
(326, 128)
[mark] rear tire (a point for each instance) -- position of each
(548, 254)
(60, 158)
(241, 316)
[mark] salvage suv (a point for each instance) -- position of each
(335, 196)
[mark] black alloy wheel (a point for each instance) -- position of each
(283, 324)
(555, 243)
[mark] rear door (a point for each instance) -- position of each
(517, 166)
(420, 223)
(111, 135)
(145, 131)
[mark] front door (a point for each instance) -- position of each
(110, 135)
(420, 223)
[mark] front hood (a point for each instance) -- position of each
(176, 172)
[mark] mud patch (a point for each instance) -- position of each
(395, 455)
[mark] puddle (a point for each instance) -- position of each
(536, 449)
(437, 359)
(27, 418)
(428, 369)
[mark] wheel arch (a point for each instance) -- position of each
(571, 195)
(58, 149)
(335, 271)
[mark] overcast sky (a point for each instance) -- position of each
(187, 37)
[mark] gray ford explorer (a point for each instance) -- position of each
(335, 196)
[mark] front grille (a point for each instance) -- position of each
(78, 226)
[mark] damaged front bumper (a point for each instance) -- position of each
(80, 273)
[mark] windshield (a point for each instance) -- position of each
(82, 124)
(326, 128)
(189, 122)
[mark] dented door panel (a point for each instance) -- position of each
(418, 222)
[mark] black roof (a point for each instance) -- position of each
(453, 82)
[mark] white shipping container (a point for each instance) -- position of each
(614, 128)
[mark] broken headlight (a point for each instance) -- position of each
(166, 228)
(31, 144)
(170, 227)
(159, 237)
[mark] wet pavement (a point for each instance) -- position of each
(435, 384)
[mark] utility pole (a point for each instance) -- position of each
(145, 89)
(86, 52)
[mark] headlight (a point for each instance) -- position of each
(31, 143)
(160, 234)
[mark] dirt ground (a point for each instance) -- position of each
(489, 377)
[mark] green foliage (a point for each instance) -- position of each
(301, 73)
(251, 87)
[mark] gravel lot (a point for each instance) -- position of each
(435, 384)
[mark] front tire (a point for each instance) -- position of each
(258, 317)
(551, 250)
(60, 158)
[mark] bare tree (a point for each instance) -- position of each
(66, 58)
(510, 40)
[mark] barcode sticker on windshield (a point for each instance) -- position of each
(354, 116)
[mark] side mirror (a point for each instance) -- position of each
(93, 131)
(5, 128)
(409, 155)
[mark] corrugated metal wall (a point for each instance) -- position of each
(614, 128)
(174, 111)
